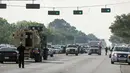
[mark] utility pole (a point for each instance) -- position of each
(74, 40)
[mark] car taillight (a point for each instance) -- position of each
(14, 53)
(36, 51)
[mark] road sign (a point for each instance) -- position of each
(32, 6)
(3, 6)
(53, 12)
(77, 12)
(105, 10)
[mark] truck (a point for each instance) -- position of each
(96, 46)
(72, 49)
(34, 40)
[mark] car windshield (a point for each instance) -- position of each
(122, 49)
(72, 46)
(8, 49)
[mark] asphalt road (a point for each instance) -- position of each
(67, 64)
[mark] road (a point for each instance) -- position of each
(66, 64)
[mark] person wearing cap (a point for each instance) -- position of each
(21, 49)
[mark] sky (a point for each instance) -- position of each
(92, 20)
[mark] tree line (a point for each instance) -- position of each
(58, 31)
(120, 29)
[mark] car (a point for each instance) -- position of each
(94, 50)
(56, 50)
(72, 49)
(50, 52)
(120, 54)
(9, 54)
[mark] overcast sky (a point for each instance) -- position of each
(92, 21)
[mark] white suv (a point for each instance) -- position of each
(72, 49)
(120, 54)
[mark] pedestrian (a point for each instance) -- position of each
(21, 49)
(106, 49)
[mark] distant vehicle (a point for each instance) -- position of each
(82, 49)
(72, 49)
(50, 50)
(100, 43)
(94, 50)
(120, 54)
(8, 54)
(56, 50)
(95, 47)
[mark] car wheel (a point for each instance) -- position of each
(76, 54)
(109, 56)
(66, 53)
(112, 62)
(128, 63)
(51, 55)
(99, 54)
(89, 54)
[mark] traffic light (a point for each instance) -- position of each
(53, 12)
(105, 10)
(32, 6)
(3, 6)
(77, 12)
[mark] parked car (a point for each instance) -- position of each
(120, 54)
(8, 54)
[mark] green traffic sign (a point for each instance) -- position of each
(53, 12)
(77, 12)
(105, 10)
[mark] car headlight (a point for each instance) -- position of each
(129, 55)
(115, 54)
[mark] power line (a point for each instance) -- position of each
(74, 6)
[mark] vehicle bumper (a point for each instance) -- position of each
(72, 52)
(9, 58)
(117, 59)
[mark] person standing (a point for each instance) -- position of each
(106, 49)
(21, 49)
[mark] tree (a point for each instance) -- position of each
(121, 27)
(6, 30)
(92, 37)
(65, 32)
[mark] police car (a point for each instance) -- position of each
(120, 54)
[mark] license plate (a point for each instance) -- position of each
(6, 57)
(122, 58)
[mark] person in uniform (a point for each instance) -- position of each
(21, 49)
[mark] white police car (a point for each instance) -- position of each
(120, 54)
